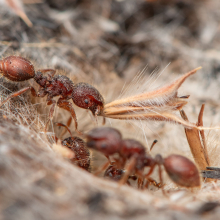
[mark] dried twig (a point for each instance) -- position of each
(195, 144)
(17, 7)
(157, 105)
(202, 134)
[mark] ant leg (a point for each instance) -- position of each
(128, 169)
(148, 174)
(62, 103)
(140, 182)
(140, 175)
(150, 180)
(53, 103)
(67, 129)
(104, 167)
(150, 171)
(161, 179)
(120, 162)
(15, 94)
(67, 125)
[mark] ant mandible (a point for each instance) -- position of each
(16, 68)
(180, 169)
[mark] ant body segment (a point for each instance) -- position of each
(115, 174)
(179, 168)
(85, 96)
(82, 154)
(78, 146)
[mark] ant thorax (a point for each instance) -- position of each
(61, 85)
(55, 85)
(130, 147)
(40, 79)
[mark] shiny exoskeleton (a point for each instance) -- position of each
(179, 168)
(85, 96)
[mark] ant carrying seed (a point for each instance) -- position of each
(78, 146)
(108, 141)
(85, 96)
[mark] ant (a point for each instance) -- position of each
(16, 68)
(109, 141)
(113, 173)
(78, 146)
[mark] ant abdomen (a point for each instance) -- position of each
(82, 154)
(17, 68)
(182, 171)
(88, 97)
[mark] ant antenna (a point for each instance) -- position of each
(68, 125)
(62, 125)
(152, 145)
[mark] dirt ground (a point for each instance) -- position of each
(106, 43)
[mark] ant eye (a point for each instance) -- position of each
(86, 101)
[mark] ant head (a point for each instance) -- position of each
(17, 68)
(130, 147)
(113, 173)
(82, 154)
(73, 142)
(104, 139)
(182, 171)
(88, 97)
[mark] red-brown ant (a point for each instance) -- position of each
(78, 146)
(113, 173)
(85, 96)
(82, 154)
(108, 141)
